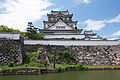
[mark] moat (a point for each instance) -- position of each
(71, 75)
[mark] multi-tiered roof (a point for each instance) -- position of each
(60, 25)
(55, 16)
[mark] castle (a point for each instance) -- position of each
(61, 26)
(88, 48)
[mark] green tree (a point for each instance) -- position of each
(40, 36)
(73, 38)
(6, 29)
(32, 32)
(104, 38)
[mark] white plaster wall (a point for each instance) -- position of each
(10, 36)
(60, 23)
(119, 41)
(64, 36)
(71, 42)
(92, 39)
(64, 33)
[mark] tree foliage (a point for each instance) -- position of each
(32, 32)
(104, 39)
(6, 29)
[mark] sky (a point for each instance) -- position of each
(101, 16)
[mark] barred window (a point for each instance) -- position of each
(60, 27)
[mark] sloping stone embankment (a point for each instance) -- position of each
(11, 50)
(86, 55)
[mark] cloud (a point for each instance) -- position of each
(81, 1)
(18, 12)
(99, 24)
(94, 25)
(116, 33)
(113, 39)
(116, 19)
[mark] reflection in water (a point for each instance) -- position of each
(73, 75)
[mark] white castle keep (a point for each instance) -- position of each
(61, 26)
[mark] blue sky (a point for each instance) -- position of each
(101, 16)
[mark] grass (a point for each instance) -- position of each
(62, 66)
(58, 66)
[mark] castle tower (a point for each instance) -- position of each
(60, 25)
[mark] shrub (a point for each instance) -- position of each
(73, 63)
(26, 65)
(65, 54)
(40, 36)
(73, 38)
(65, 57)
(50, 58)
(60, 52)
(72, 57)
(59, 57)
(80, 65)
(45, 63)
(10, 64)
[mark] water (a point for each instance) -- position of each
(73, 75)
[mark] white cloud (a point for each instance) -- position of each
(79, 23)
(97, 25)
(116, 33)
(94, 25)
(112, 38)
(19, 12)
(116, 19)
(81, 1)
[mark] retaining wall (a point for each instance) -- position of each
(11, 50)
(87, 55)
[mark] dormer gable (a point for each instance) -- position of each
(60, 25)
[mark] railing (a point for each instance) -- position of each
(73, 42)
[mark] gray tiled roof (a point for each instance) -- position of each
(10, 35)
(88, 32)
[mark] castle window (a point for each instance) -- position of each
(57, 27)
(51, 19)
(62, 27)
(68, 19)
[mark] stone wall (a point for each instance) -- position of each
(87, 55)
(11, 50)
(97, 55)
